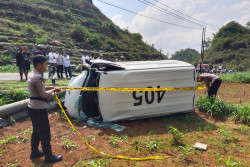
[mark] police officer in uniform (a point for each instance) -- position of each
(215, 83)
(38, 112)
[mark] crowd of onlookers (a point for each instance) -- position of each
(59, 62)
(214, 69)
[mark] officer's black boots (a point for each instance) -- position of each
(52, 158)
(36, 154)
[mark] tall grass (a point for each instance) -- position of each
(12, 96)
(9, 68)
(239, 77)
(220, 108)
(242, 114)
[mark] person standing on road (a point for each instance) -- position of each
(83, 61)
(27, 57)
(20, 62)
(52, 62)
(38, 114)
(215, 83)
(59, 64)
(66, 64)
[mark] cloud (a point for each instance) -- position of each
(243, 6)
(175, 39)
(118, 20)
(171, 38)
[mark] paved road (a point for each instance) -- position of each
(13, 76)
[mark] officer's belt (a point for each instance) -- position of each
(38, 98)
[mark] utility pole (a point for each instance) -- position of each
(202, 48)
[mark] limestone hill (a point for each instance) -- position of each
(74, 25)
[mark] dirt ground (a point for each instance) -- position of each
(232, 92)
(196, 127)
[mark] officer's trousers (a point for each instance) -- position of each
(41, 130)
(212, 91)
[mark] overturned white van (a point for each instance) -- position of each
(114, 106)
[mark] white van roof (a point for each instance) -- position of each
(138, 65)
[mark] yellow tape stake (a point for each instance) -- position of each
(120, 89)
(105, 154)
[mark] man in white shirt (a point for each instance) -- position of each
(83, 60)
(66, 64)
(59, 64)
(52, 62)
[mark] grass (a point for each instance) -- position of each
(69, 145)
(177, 136)
(185, 152)
(239, 77)
(3, 152)
(218, 107)
(242, 114)
(13, 95)
(220, 143)
(11, 85)
(9, 69)
(13, 91)
(9, 139)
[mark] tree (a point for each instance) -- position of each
(188, 55)
(248, 24)
(207, 43)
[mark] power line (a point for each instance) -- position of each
(184, 14)
(170, 13)
(144, 15)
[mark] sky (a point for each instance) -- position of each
(175, 24)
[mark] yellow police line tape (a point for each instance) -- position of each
(132, 89)
(119, 89)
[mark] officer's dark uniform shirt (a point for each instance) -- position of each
(207, 78)
(37, 89)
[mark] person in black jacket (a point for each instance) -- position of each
(20, 62)
(27, 57)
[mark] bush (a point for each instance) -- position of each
(12, 96)
(41, 40)
(20, 41)
(137, 37)
(5, 58)
(110, 28)
(177, 136)
(31, 31)
(95, 40)
(111, 42)
(79, 33)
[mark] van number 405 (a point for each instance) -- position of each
(148, 96)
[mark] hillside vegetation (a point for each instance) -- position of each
(230, 46)
(70, 24)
